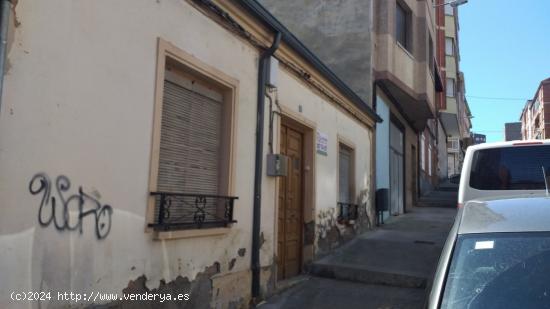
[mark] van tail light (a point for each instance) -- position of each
(459, 205)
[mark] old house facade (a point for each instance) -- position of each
(385, 50)
(168, 146)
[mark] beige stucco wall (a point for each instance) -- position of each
(323, 116)
(78, 101)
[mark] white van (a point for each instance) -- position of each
(504, 169)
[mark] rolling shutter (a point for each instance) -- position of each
(344, 175)
(190, 141)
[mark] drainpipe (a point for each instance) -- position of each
(4, 24)
(256, 221)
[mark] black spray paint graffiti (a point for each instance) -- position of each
(57, 211)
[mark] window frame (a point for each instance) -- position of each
(447, 88)
(452, 52)
(407, 32)
(167, 54)
(344, 143)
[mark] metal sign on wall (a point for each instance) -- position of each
(322, 143)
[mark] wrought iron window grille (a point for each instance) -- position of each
(347, 212)
(183, 211)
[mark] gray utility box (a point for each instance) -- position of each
(277, 165)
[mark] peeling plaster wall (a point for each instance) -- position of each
(329, 119)
(78, 101)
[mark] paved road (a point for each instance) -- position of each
(389, 267)
(321, 293)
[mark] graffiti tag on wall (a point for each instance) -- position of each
(55, 207)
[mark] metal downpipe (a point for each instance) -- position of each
(256, 221)
(5, 7)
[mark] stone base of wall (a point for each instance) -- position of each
(210, 289)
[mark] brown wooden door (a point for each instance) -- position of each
(289, 249)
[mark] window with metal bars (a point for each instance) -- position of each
(190, 184)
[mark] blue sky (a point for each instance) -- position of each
(505, 53)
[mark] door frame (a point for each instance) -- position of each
(308, 128)
(394, 120)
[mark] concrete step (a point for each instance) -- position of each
(448, 188)
(359, 274)
(436, 203)
(439, 198)
(407, 262)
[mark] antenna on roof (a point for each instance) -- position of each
(545, 180)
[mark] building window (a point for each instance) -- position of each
(451, 87)
(402, 26)
(422, 152)
(190, 166)
(345, 174)
(449, 10)
(346, 204)
(453, 144)
(449, 46)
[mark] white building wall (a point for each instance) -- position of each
(78, 101)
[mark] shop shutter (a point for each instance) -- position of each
(190, 142)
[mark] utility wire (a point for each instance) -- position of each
(496, 98)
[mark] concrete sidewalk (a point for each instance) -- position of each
(389, 267)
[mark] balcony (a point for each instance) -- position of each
(347, 212)
(406, 75)
(181, 211)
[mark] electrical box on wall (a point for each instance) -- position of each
(277, 165)
(272, 72)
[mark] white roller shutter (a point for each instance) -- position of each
(189, 157)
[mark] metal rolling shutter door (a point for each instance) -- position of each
(190, 142)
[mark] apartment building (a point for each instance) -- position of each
(173, 147)
(512, 131)
(535, 116)
(454, 111)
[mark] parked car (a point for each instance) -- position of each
(504, 169)
(497, 255)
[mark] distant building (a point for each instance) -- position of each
(512, 131)
(454, 111)
(478, 138)
(535, 117)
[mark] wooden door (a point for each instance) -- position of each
(289, 247)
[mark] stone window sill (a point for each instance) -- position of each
(180, 234)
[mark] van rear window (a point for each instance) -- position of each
(510, 168)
